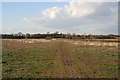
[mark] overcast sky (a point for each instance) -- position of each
(73, 17)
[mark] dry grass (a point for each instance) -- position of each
(59, 58)
(28, 40)
(112, 44)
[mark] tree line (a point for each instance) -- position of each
(49, 35)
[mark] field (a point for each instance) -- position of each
(59, 58)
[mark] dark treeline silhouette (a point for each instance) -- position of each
(49, 35)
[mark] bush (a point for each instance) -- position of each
(48, 37)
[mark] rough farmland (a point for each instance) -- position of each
(59, 58)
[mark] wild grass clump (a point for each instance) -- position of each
(89, 43)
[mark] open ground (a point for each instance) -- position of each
(59, 58)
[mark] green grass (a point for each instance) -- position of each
(45, 60)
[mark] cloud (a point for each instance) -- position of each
(79, 17)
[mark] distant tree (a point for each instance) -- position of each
(56, 32)
(61, 35)
(89, 36)
(84, 35)
(13, 34)
(27, 35)
(19, 34)
(74, 35)
(48, 33)
(68, 36)
(111, 35)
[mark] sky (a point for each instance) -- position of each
(73, 17)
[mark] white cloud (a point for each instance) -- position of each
(76, 17)
(51, 12)
(74, 9)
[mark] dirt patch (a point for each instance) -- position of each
(67, 63)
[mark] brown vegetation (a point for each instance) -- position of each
(58, 58)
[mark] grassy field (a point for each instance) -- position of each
(58, 59)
